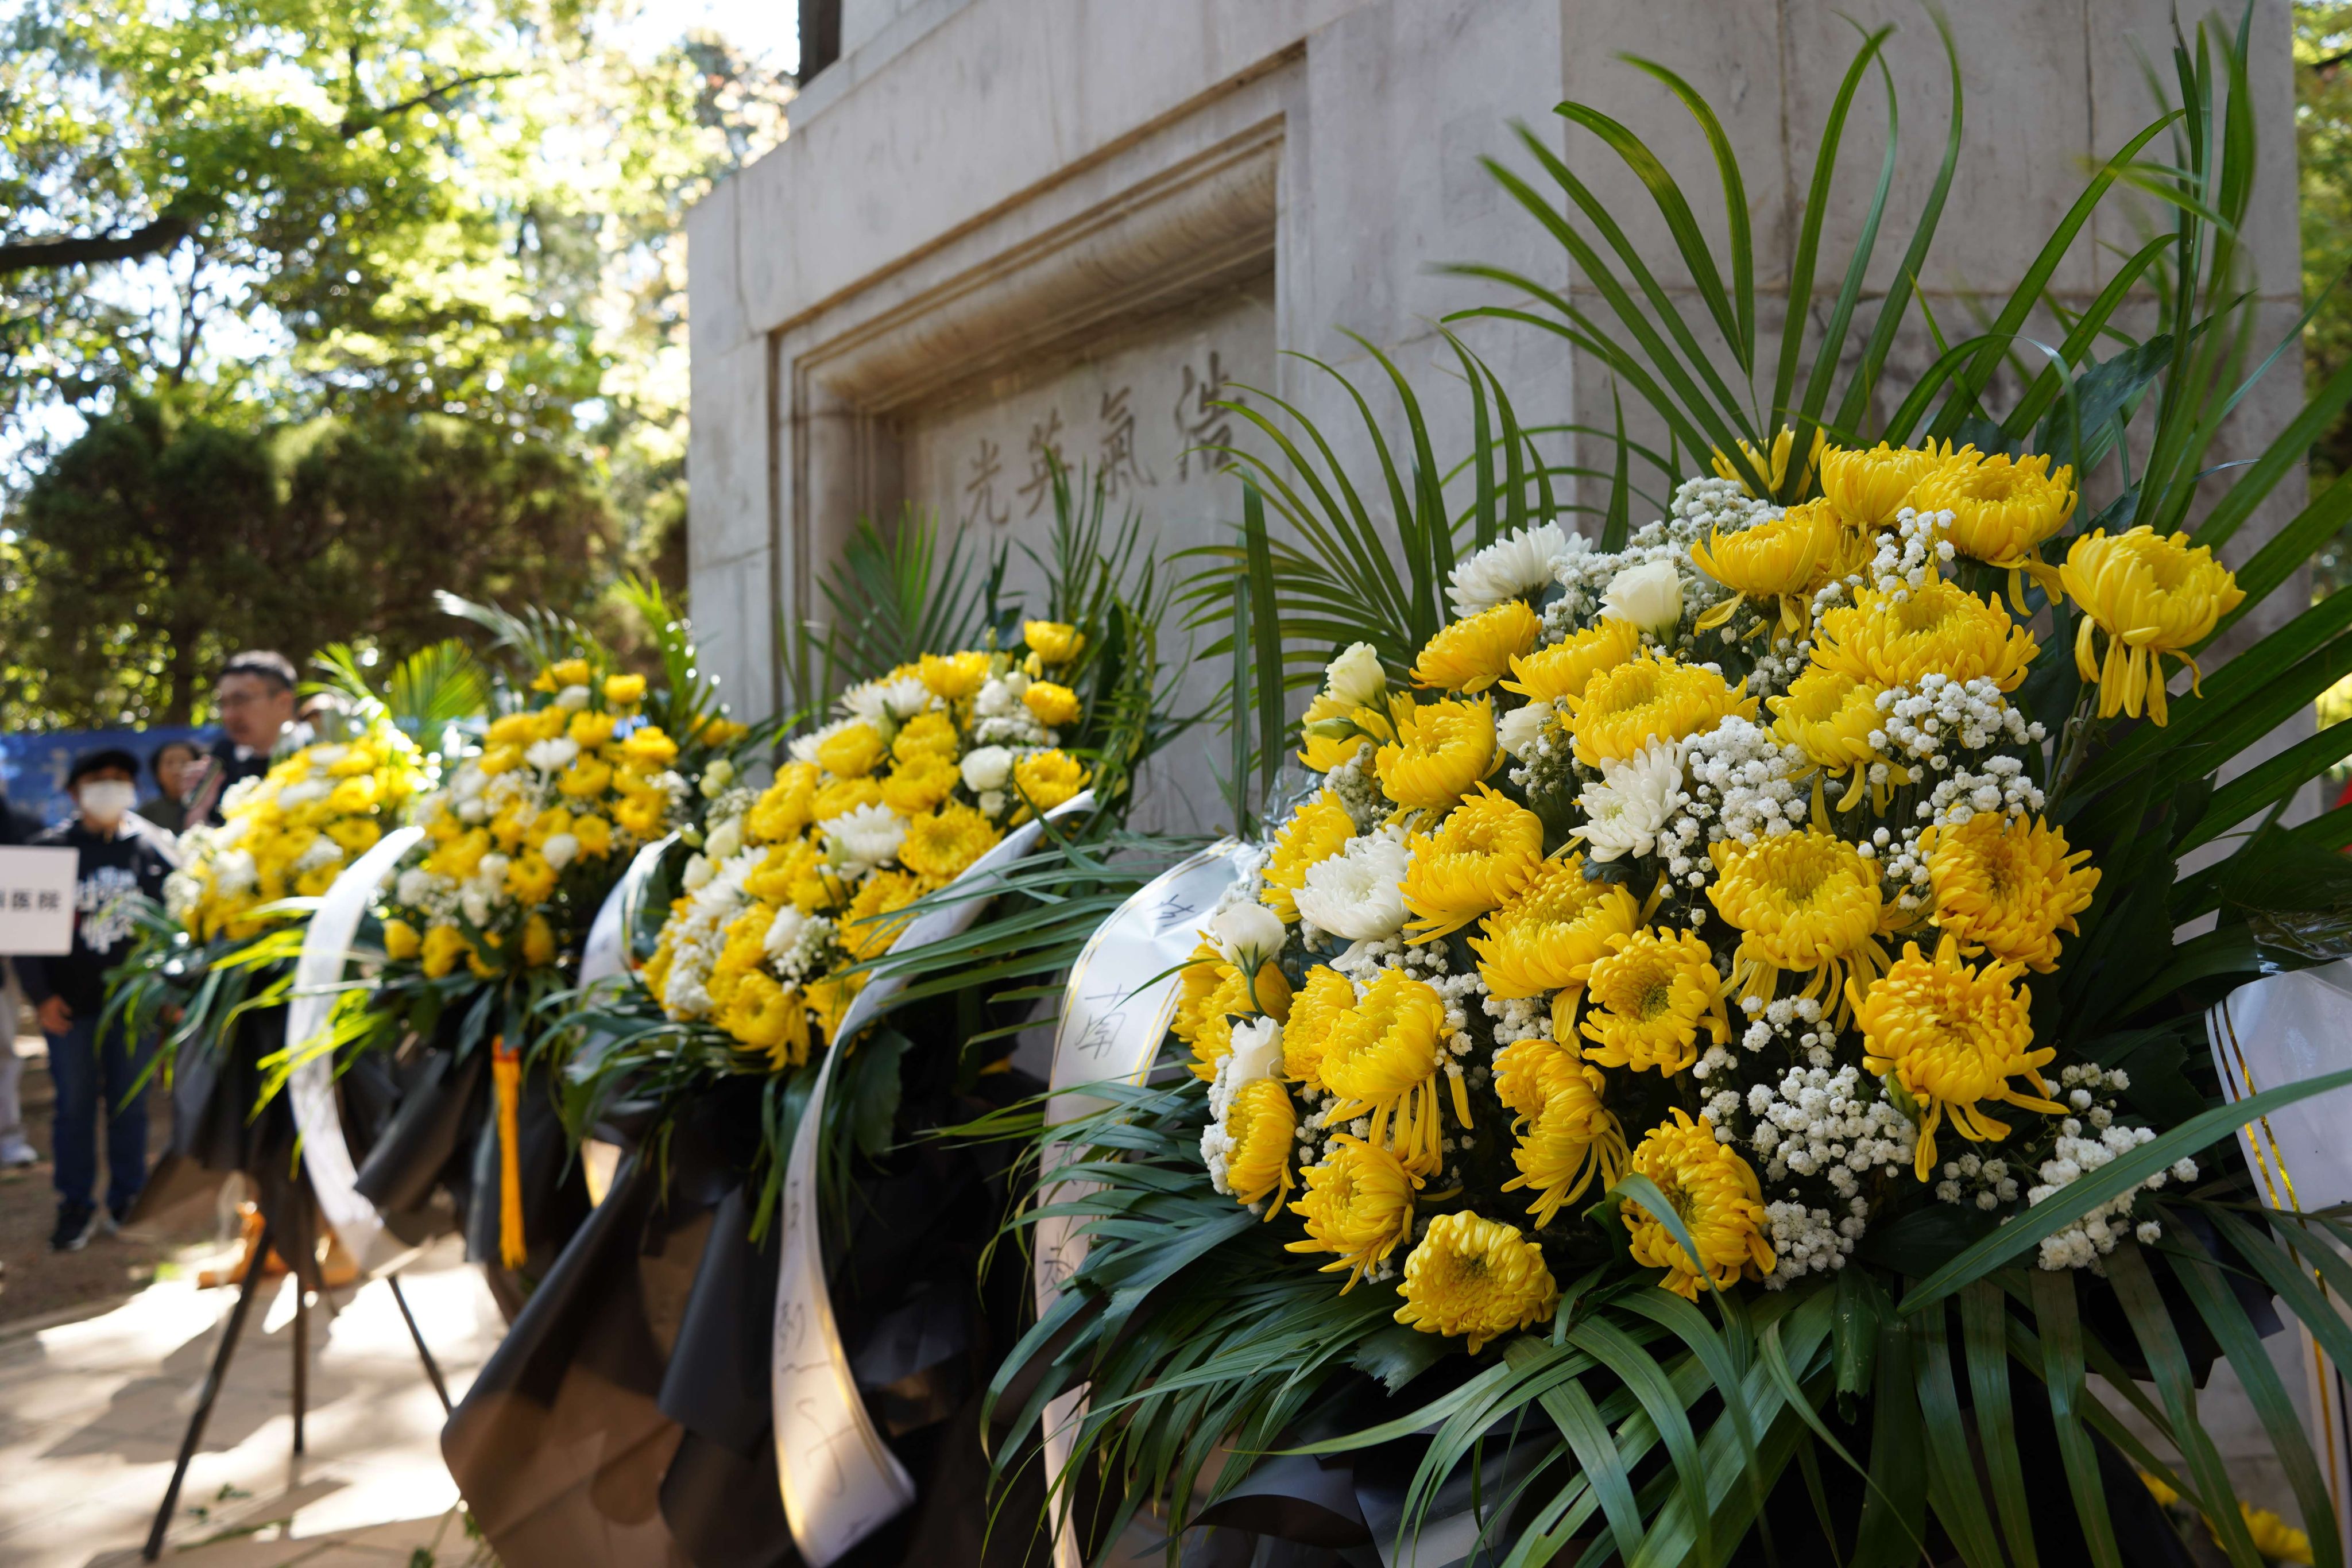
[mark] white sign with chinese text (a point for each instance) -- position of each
(37, 901)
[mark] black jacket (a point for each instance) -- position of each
(135, 858)
(222, 767)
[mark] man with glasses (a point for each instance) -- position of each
(254, 698)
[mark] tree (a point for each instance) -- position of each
(158, 543)
(223, 224)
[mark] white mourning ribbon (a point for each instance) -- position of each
(606, 955)
(840, 1481)
(317, 980)
(1116, 1009)
(2281, 1030)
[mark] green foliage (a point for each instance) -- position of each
(160, 542)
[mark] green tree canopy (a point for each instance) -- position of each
(438, 239)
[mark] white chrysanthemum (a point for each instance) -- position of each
(886, 701)
(696, 875)
(560, 850)
(572, 698)
(475, 900)
(1357, 894)
(1356, 677)
(551, 755)
(1514, 567)
(726, 840)
(868, 835)
(1649, 595)
(468, 782)
(233, 800)
(322, 757)
(1256, 1053)
(1625, 813)
(987, 768)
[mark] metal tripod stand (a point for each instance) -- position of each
(246, 1289)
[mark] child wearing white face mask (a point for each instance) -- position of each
(121, 854)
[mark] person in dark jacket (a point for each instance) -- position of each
(176, 765)
(15, 828)
(255, 695)
(120, 854)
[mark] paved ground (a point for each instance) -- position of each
(91, 1412)
(37, 1283)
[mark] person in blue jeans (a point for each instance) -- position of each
(120, 856)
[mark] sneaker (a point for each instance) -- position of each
(75, 1223)
(15, 1153)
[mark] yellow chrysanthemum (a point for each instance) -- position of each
(1779, 561)
(1567, 666)
(1044, 780)
(1054, 642)
(1475, 652)
(1868, 487)
(2273, 1537)
(649, 747)
(785, 808)
(765, 1015)
(1477, 1278)
(590, 729)
(1196, 986)
(872, 921)
(1527, 1071)
(914, 787)
(1715, 1194)
(443, 947)
(829, 999)
(625, 691)
(537, 942)
(1384, 1059)
(1805, 902)
(1550, 934)
(852, 750)
(941, 844)
(1570, 1140)
(1333, 730)
(1358, 1204)
(1440, 749)
(1953, 1037)
(1774, 469)
(1052, 704)
(927, 736)
(953, 677)
(2007, 887)
(1649, 997)
(1321, 999)
(1650, 698)
(1830, 717)
(1261, 1128)
(563, 673)
(1482, 853)
(400, 940)
(1315, 831)
(2002, 507)
(2152, 596)
(843, 796)
(529, 878)
(587, 778)
(1937, 628)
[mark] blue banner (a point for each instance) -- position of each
(33, 767)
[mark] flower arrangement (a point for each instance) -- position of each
(529, 832)
(792, 887)
(1720, 861)
(291, 831)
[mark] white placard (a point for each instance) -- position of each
(311, 1090)
(840, 1482)
(37, 901)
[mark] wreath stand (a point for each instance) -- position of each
(249, 1287)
